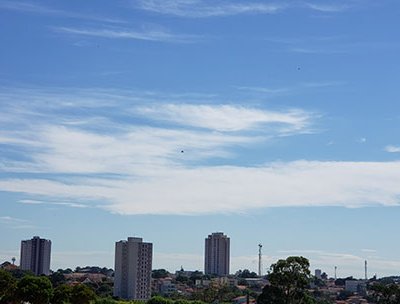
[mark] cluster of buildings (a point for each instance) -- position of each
(133, 262)
(132, 276)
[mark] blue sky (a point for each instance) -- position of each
(274, 122)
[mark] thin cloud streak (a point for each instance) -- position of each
(207, 9)
(34, 8)
(392, 149)
(16, 223)
(227, 118)
(149, 35)
(204, 9)
(68, 204)
(291, 89)
(328, 8)
(302, 183)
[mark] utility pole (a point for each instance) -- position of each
(259, 260)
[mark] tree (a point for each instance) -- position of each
(62, 294)
(245, 274)
(82, 294)
(385, 294)
(7, 287)
(288, 280)
(35, 290)
(159, 273)
(159, 300)
(57, 278)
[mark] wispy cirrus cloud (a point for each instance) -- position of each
(118, 151)
(227, 118)
(202, 9)
(220, 8)
(68, 204)
(291, 89)
(16, 223)
(118, 33)
(302, 183)
(332, 7)
(35, 8)
(392, 149)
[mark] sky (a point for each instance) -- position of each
(275, 122)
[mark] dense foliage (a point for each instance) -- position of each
(289, 280)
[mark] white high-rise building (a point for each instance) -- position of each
(217, 252)
(35, 255)
(133, 265)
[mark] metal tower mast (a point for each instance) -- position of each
(259, 260)
(366, 269)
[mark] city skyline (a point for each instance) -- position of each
(275, 122)
(213, 236)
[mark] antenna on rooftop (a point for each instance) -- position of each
(259, 260)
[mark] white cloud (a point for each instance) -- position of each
(9, 219)
(131, 162)
(328, 8)
(68, 204)
(226, 117)
(200, 190)
(34, 8)
(294, 89)
(114, 33)
(220, 8)
(16, 223)
(392, 149)
(201, 9)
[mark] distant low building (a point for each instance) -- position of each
(202, 283)
(356, 286)
(8, 266)
(256, 282)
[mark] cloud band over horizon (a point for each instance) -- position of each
(155, 159)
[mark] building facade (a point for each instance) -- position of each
(217, 253)
(133, 265)
(35, 255)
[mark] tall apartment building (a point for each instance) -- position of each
(35, 255)
(133, 265)
(217, 252)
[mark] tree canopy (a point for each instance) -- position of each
(385, 294)
(288, 282)
(8, 286)
(35, 290)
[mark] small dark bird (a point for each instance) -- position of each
(182, 151)
(298, 68)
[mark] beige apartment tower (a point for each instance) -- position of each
(217, 252)
(35, 255)
(133, 265)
